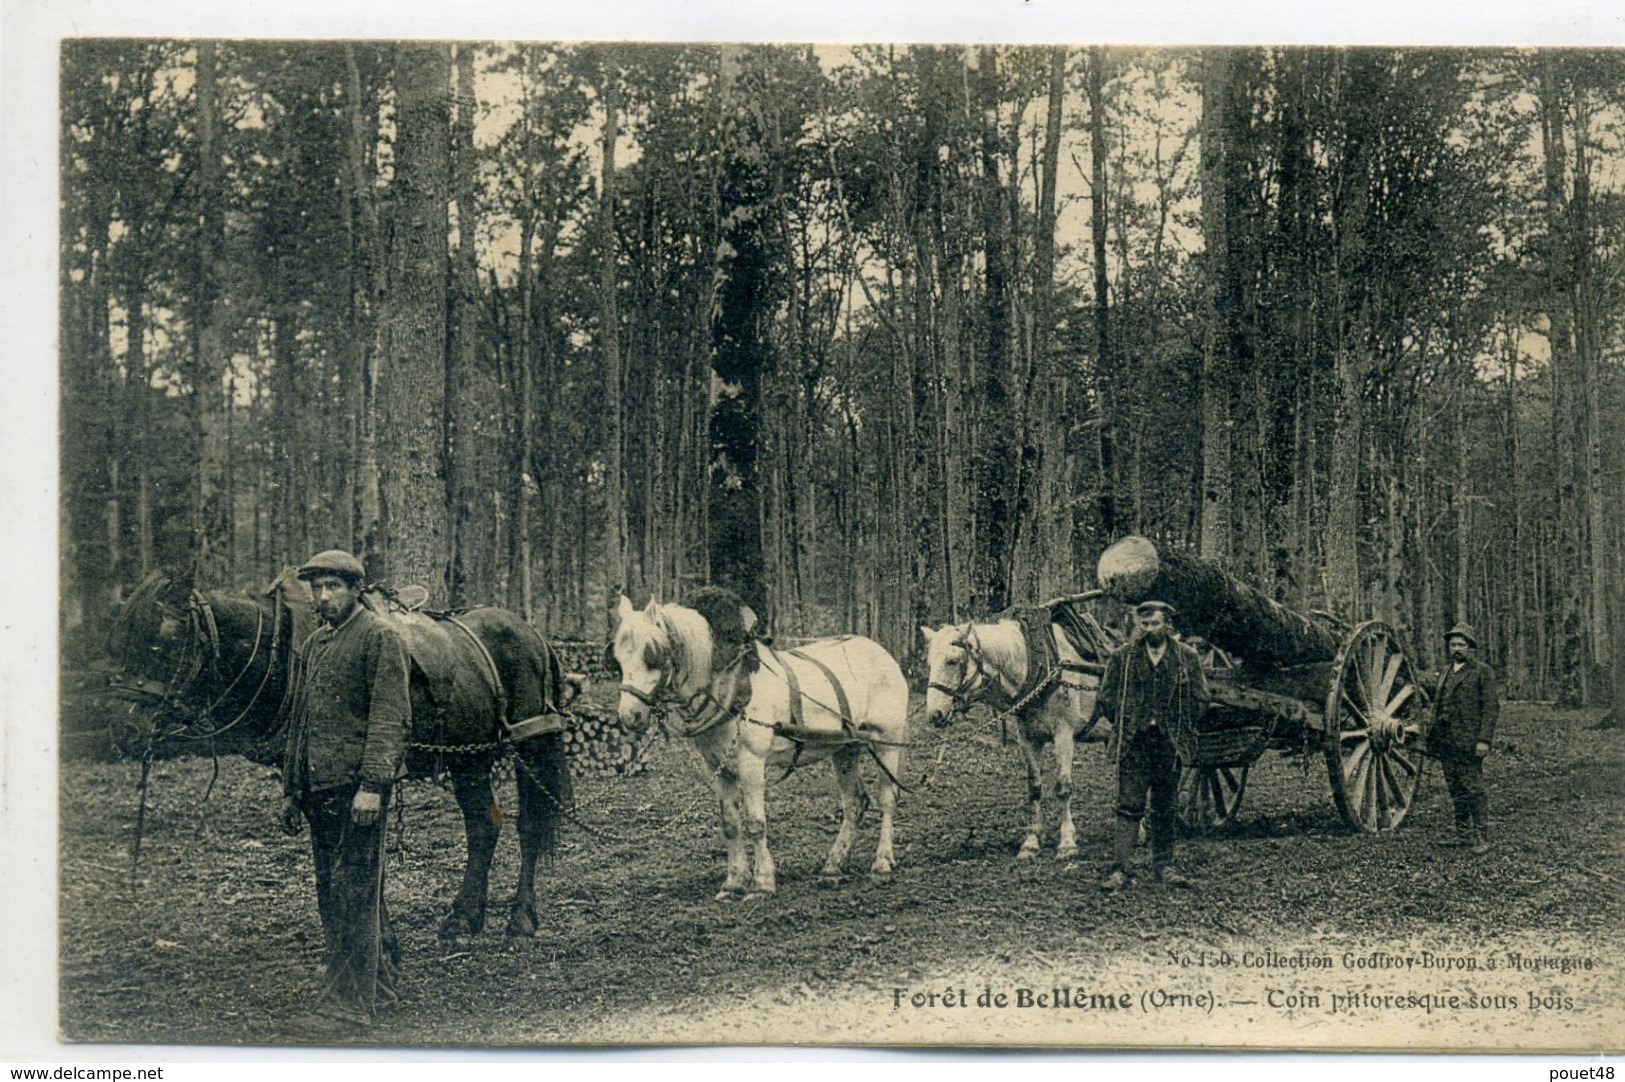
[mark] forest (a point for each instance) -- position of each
(876, 336)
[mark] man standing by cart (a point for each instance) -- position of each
(346, 742)
(1154, 694)
(1465, 709)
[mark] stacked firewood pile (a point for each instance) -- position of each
(590, 659)
(597, 743)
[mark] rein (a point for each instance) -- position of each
(700, 712)
(975, 683)
(174, 691)
(980, 682)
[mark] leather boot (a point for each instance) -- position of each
(1461, 839)
(1125, 833)
(1481, 829)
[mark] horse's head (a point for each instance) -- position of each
(646, 651)
(150, 645)
(151, 639)
(956, 671)
(194, 664)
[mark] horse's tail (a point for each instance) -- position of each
(533, 680)
(545, 755)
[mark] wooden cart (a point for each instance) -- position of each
(1284, 681)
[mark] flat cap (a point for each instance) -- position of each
(1146, 608)
(333, 562)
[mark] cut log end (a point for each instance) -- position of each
(1128, 568)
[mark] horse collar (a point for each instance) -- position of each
(701, 711)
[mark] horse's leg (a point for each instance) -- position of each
(482, 822)
(1067, 847)
(885, 859)
(725, 781)
(753, 798)
(849, 782)
(543, 793)
(1035, 794)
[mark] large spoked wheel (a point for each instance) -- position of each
(1209, 796)
(1374, 724)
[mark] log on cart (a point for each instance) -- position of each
(1288, 681)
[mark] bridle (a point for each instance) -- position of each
(175, 693)
(976, 679)
(697, 713)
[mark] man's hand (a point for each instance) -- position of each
(292, 819)
(364, 808)
(1481, 749)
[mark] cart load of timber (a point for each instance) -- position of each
(1282, 680)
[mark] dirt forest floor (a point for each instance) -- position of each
(1299, 934)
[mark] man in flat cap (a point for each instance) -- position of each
(1465, 709)
(1155, 694)
(346, 743)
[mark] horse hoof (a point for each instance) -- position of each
(880, 876)
(1068, 853)
(728, 894)
(1027, 851)
(758, 895)
(829, 880)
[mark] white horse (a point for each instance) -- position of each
(746, 708)
(990, 663)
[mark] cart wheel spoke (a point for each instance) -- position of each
(1393, 764)
(1403, 761)
(1400, 698)
(1388, 676)
(1210, 795)
(1356, 761)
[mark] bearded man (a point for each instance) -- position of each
(1465, 709)
(1155, 694)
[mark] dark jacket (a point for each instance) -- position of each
(1465, 708)
(351, 710)
(1133, 694)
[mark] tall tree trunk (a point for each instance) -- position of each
(367, 277)
(470, 563)
(994, 468)
(1215, 471)
(1588, 341)
(1350, 364)
(615, 536)
(744, 350)
(411, 389)
(1567, 403)
(1106, 376)
(208, 498)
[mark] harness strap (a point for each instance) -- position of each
(795, 695)
(490, 666)
(845, 707)
(205, 612)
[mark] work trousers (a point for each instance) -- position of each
(362, 953)
(1147, 763)
(1464, 776)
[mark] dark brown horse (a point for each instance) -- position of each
(214, 668)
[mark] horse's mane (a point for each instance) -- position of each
(1004, 649)
(137, 619)
(680, 630)
(721, 609)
